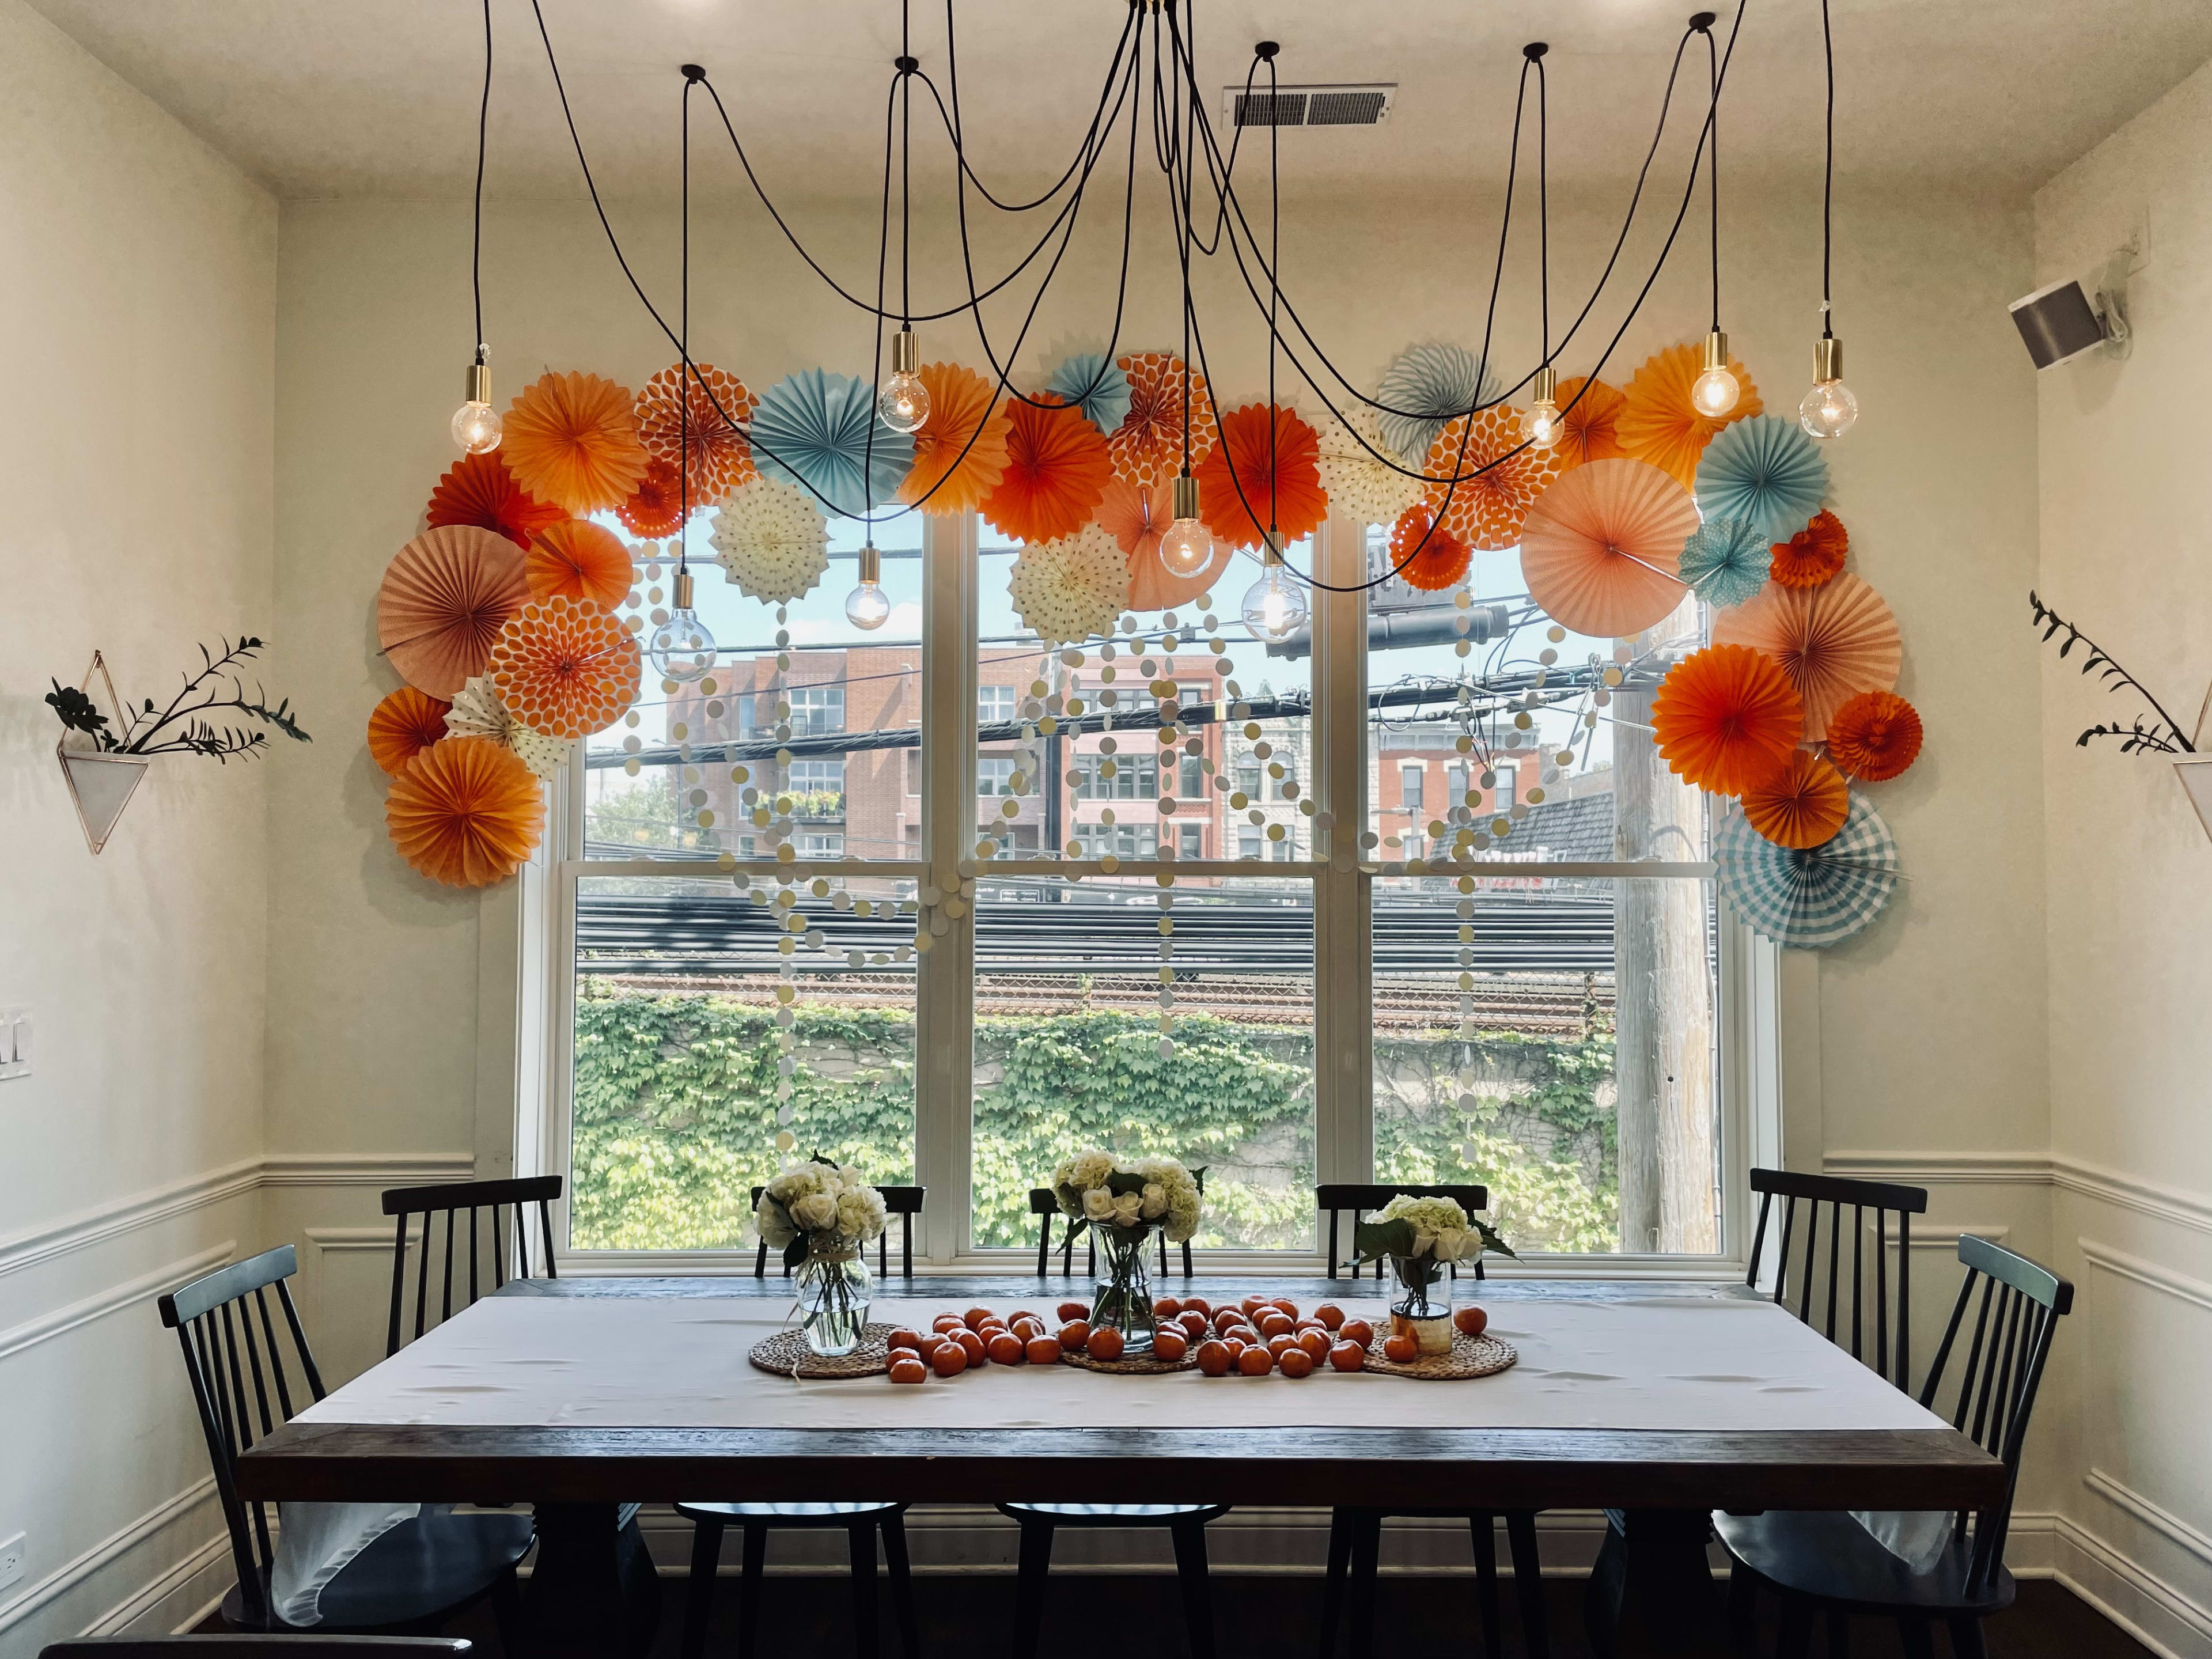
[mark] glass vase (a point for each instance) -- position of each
(1124, 1298)
(833, 1296)
(1420, 1305)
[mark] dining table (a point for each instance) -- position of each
(1655, 1402)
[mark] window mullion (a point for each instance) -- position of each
(1343, 972)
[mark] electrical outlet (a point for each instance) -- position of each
(14, 1043)
(12, 1551)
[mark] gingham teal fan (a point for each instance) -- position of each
(1726, 561)
(1818, 896)
(813, 427)
(1764, 470)
(1429, 385)
(1095, 386)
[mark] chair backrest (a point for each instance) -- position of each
(2021, 1305)
(258, 1647)
(1044, 1204)
(1821, 1306)
(904, 1202)
(1341, 1196)
(241, 1388)
(505, 1256)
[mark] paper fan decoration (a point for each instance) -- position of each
(955, 465)
(1873, 736)
(1801, 805)
(1657, 422)
(1726, 718)
(1726, 560)
(565, 668)
(403, 726)
(478, 713)
(1600, 547)
(771, 540)
(465, 812)
(655, 508)
(1359, 484)
(572, 439)
(1057, 466)
(1071, 589)
(1589, 413)
(1274, 485)
(478, 491)
(580, 560)
(1833, 642)
(821, 431)
(1099, 388)
(1425, 386)
(1147, 445)
(444, 598)
(1764, 470)
(1818, 895)
(678, 418)
(1495, 477)
(1136, 517)
(1814, 556)
(1426, 555)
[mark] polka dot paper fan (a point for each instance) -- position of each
(478, 713)
(771, 540)
(1070, 589)
(1494, 478)
(565, 668)
(1359, 484)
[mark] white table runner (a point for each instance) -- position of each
(1655, 1362)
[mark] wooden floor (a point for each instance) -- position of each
(1279, 1617)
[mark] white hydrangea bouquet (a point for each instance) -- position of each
(1422, 1239)
(1121, 1203)
(820, 1214)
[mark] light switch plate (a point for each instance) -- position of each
(14, 1042)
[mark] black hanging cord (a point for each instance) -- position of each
(1827, 175)
(476, 243)
(692, 75)
(907, 65)
(1267, 49)
(1713, 154)
(1534, 54)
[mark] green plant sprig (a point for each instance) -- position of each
(199, 697)
(2164, 735)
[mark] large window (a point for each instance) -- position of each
(1126, 881)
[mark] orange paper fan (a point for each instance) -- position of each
(565, 668)
(1833, 642)
(1056, 472)
(446, 596)
(580, 560)
(1814, 556)
(1599, 550)
(715, 455)
(1659, 425)
(1802, 805)
(1278, 486)
(950, 474)
(479, 491)
(1727, 718)
(1496, 477)
(466, 811)
(655, 508)
(1442, 558)
(403, 726)
(1147, 447)
(1873, 736)
(1136, 517)
(572, 439)
(1588, 420)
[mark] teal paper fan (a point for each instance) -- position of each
(1764, 470)
(1424, 388)
(1095, 386)
(814, 428)
(1726, 561)
(1810, 896)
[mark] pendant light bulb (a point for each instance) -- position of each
(1829, 408)
(866, 607)
(1539, 427)
(903, 403)
(476, 423)
(1273, 609)
(681, 648)
(1187, 546)
(1715, 392)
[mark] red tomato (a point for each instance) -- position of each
(1166, 1308)
(908, 1369)
(1295, 1362)
(1043, 1350)
(1358, 1330)
(950, 1360)
(1074, 1311)
(1169, 1345)
(1329, 1315)
(1073, 1335)
(906, 1338)
(1105, 1343)
(1007, 1350)
(1402, 1349)
(1214, 1358)
(1348, 1357)
(1256, 1361)
(1471, 1321)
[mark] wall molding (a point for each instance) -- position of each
(2170, 1204)
(95, 1226)
(365, 1168)
(2161, 1616)
(2159, 1520)
(2180, 1286)
(32, 1332)
(2072, 1175)
(66, 1578)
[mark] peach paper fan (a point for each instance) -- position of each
(1245, 484)
(1875, 736)
(403, 726)
(1726, 718)
(565, 668)
(1802, 805)
(1659, 425)
(572, 439)
(580, 560)
(677, 417)
(465, 812)
(479, 491)
(1147, 447)
(1441, 559)
(960, 453)
(1056, 472)
(1136, 517)
(445, 597)
(1833, 642)
(1589, 420)
(1600, 548)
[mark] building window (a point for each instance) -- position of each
(815, 844)
(1249, 841)
(1121, 840)
(1507, 788)
(996, 705)
(1248, 780)
(1193, 778)
(1456, 784)
(994, 775)
(1409, 787)
(1286, 786)
(816, 710)
(1119, 777)
(1192, 839)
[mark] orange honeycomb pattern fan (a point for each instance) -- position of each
(565, 668)
(677, 419)
(1493, 477)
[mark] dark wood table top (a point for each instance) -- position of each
(1378, 1461)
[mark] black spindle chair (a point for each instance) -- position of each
(1044, 1204)
(1821, 1304)
(258, 1647)
(1823, 1560)
(504, 1255)
(904, 1202)
(1341, 1197)
(413, 1577)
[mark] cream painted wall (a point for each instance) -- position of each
(2127, 555)
(137, 275)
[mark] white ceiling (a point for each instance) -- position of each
(343, 97)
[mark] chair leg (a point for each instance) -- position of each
(1839, 1634)
(1743, 1609)
(1918, 1639)
(902, 1577)
(749, 1590)
(1483, 1528)
(1366, 1548)
(1528, 1582)
(1029, 1587)
(1796, 1639)
(1190, 1538)
(1966, 1636)
(699, 1594)
(863, 1539)
(506, 1614)
(1332, 1584)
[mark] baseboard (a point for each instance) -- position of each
(2154, 1612)
(193, 1507)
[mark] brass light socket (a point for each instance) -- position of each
(1186, 497)
(1546, 386)
(871, 566)
(1271, 550)
(479, 386)
(1716, 349)
(1827, 359)
(683, 590)
(906, 352)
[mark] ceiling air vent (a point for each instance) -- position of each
(1310, 107)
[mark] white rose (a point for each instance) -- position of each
(816, 1212)
(1089, 1169)
(774, 1223)
(1128, 1209)
(1449, 1245)
(1155, 1200)
(1098, 1204)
